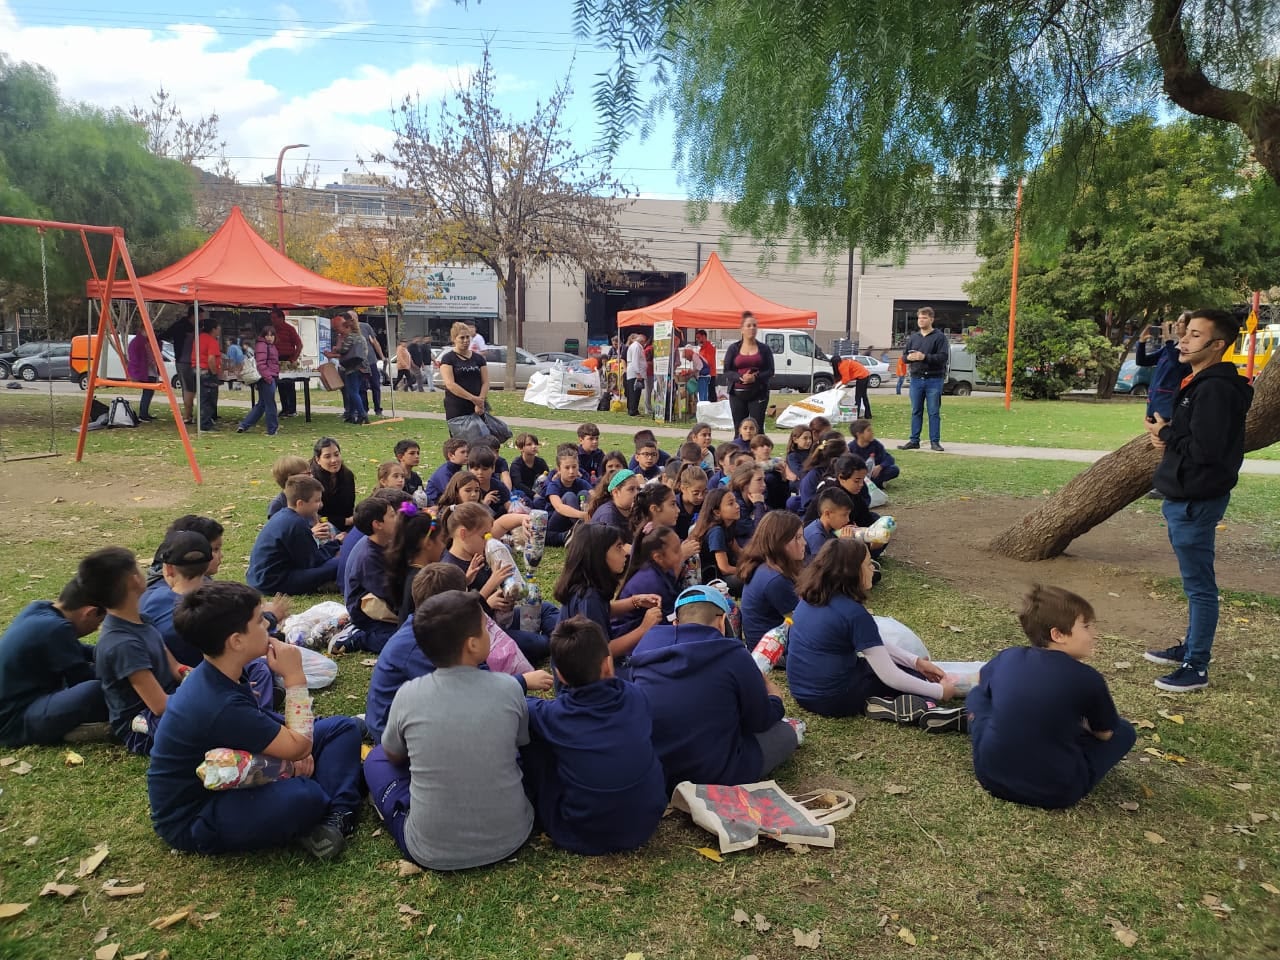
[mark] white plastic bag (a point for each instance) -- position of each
(716, 413)
(315, 626)
(564, 388)
(878, 497)
(901, 636)
(319, 670)
(836, 405)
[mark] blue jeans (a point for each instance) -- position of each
(49, 718)
(704, 388)
(926, 390)
(352, 384)
(1192, 524)
(266, 404)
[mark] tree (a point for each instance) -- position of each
(375, 256)
(858, 122)
(509, 194)
(1051, 354)
(1184, 221)
(170, 134)
(72, 162)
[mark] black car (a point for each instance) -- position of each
(22, 352)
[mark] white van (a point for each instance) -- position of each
(962, 372)
(798, 362)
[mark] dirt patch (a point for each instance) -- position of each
(31, 490)
(1121, 556)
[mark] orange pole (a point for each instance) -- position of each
(1013, 301)
(1253, 336)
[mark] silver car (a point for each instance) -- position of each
(495, 359)
(54, 365)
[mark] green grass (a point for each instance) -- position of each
(970, 876)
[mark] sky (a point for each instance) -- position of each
(327, 77)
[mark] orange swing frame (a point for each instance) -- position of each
(118, 256)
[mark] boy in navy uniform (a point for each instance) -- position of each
(365, 587)
(316, 807)
(286, 557)
(590, 767)
(834, 509)
(590, 456)
(1043, 726)
(455, 458)
(47, 682)
(137, 671)
(409, 455)
(716, 718)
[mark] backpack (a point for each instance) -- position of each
(121, 414)
(249, 369)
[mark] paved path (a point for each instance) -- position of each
(320, 404)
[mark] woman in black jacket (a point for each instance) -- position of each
(748, 367)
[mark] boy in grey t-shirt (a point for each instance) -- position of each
(445, 780)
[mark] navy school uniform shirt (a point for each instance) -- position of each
(276, 505)
(557, 521)
(499, 507)
(157, 605)
(776, 490)
(40, 654)
(439, 479)
(599, 786)
(815, 537)
(524, 477)
(124, 648)
(608, 514)
(400, 660)
(284, 544)
(366, 573)
(663, 459)
(1029, 741)
(875, 449)
(716, 539)
(795, 460)
(749, 514)
(591, 465)
(648, 579)
(349, 542)
(822, 651)
(646, 475)
(715, 478)
(707, 698)
(767, 598)
(209, 710)
(590, 604)
(412, 482)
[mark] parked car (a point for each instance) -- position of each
(558, 356)
(798, 362)
(962, 372)
(879, 370)
(31, 349)
(54, 364)
(1133, 379)
(495, 359)
(110, 365)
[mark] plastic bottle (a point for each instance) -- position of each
(517, 505)
(531, 609)
(497, 555)
(540, 485)
(228, 769)
(772, 646)
(537, 539)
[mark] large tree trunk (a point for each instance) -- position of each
(511, 307)
(1117, 480)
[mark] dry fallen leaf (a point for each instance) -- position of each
(8, 910)
(1271, 888)
(761, 924)
(8, 761)
(369, 662)
(1147, 792)
(709, 854)
(1123, 665)
(407, 868)
(741, 916)
(906, 936)
(894, 789)
(102, 934)
(1152, 836)
(1258, 817)
(809, 941)
(164, 923)
(72, 759)
(405, 910)
(1126, 935)
(633, 956)
(63, 890)
(1129, 806)
(1242, 787)
(93, 861)
(1173, 717)
(1158, 754)
(1172, 757)
(22, 768)
(1144, 725)
(113, 890)
(106, 952)
(32, 841)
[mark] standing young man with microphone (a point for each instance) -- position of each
(1203, 447)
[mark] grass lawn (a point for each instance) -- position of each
(944, 864)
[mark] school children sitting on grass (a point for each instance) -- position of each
(285, 467)
(590, 766)
(455, 458)
(365, 588)
(48, 688)
(527, 468)
(1044, 728)
(881, 466)
(317, 807)
(567, 495)
(294, 553)
(137, 671)
(590, 456)
(408, 454)
(446, 778)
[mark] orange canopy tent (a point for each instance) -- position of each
(716, 301)
(237, 267)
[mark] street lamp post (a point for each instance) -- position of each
(280, 193)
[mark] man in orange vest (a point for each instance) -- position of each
(707, 350)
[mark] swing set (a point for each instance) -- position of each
(107, 333)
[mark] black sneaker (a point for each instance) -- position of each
(909, 445)
(906, 708)
(327, 839)
(1184, 679)
(945, 720)
(935, 446)
(1174, 656)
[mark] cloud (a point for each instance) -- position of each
(207, 72)
(424, 7)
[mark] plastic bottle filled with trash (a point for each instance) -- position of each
(531, 609)
(540, 485)
(228, 769)
(878, 534)
(517, 505)
(772, 646)
(536, 541)
(496, 555)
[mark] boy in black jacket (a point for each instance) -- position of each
(1203, 448)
